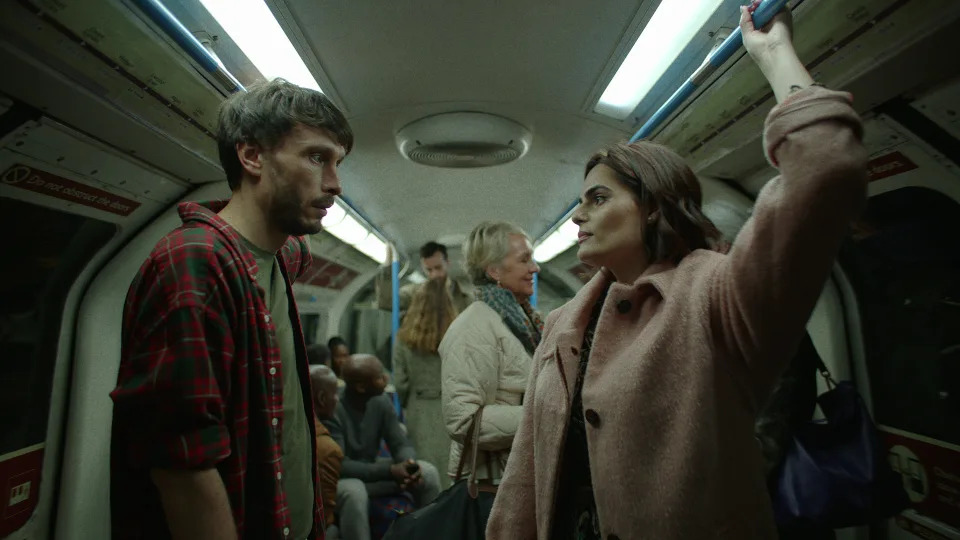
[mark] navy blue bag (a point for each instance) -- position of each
(835, 472)
(459, 513)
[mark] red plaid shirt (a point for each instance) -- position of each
(201, 382)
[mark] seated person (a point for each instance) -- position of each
(318, 354)
(364, 417)
(338, 353)
(326, 396)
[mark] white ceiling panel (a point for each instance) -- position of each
(536, 63)
(381, 55)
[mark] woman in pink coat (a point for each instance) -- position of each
(638, 416)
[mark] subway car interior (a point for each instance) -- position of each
(462, 112)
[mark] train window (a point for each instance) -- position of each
(311, 324)
(904, 263)
(42, 257)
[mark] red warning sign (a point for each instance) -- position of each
(890, 164)
(38, 181)
(931, 473)
(19, 487)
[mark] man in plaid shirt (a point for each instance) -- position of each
(213, 423)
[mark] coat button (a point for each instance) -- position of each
(592, 417)
(624, 306)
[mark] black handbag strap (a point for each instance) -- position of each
(470, 444)
(825, 373)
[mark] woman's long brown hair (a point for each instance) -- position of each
(430, 314)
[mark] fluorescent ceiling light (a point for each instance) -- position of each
(349, 230)
(670, 29)
(557, 242)
(569, 231)
(335, 215)
(254, 29)
(373, 247)
(550, 248)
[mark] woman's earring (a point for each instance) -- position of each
(498, 284)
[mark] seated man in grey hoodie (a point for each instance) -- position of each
(364, 417)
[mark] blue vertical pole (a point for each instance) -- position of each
(395, 320)
(395, 309)
(533, 297)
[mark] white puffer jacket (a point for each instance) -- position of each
(483, 363)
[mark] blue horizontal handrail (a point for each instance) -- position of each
(761, 17)
(167, 22)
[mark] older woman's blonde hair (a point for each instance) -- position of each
(428, 318)
(487, 245)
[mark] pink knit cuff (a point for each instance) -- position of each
(809, 106)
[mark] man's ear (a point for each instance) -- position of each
(251, 158)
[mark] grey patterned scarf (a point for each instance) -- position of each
(520, 318)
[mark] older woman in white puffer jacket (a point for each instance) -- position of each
(487, 351)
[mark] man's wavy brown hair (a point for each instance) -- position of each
(661, 180)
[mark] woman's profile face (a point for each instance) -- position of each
(610, 221)
(515, 272)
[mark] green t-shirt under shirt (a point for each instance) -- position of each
(297, 477)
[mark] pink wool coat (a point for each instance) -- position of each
(683, 357)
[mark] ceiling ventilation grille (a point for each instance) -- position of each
(463, 155)
(463, 140)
